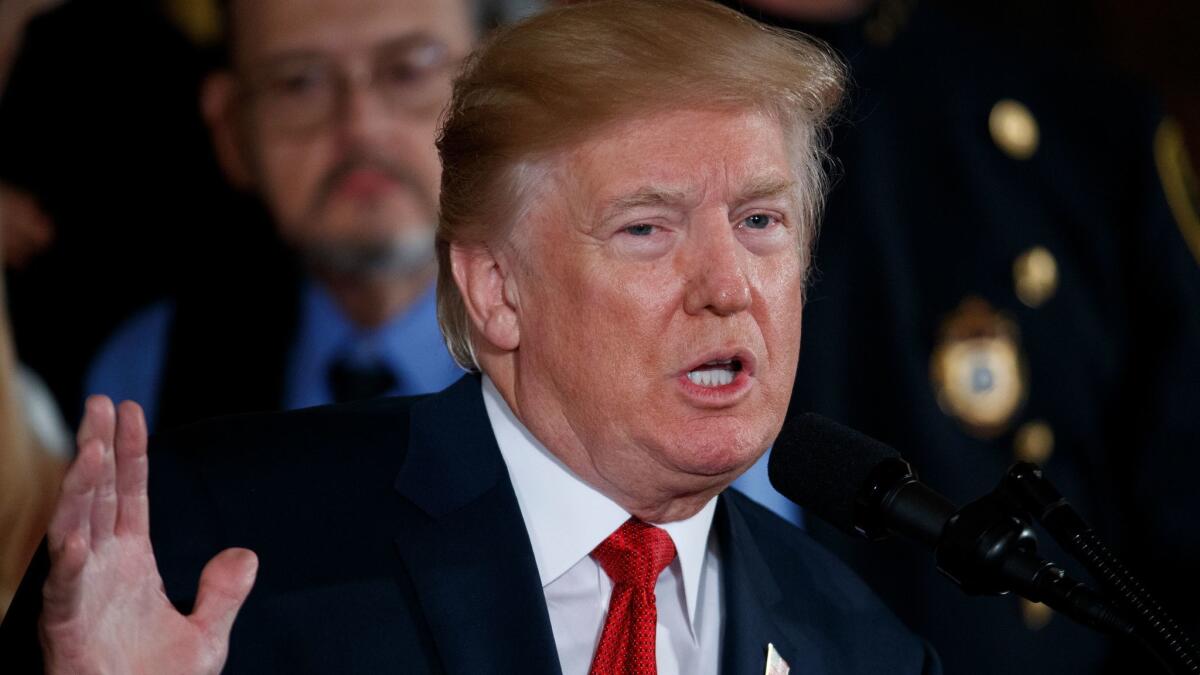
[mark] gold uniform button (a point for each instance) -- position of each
(1035, 614)
(1034, 442)
(1014, 130)
(1035, 276)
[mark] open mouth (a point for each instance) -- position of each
(716, 373)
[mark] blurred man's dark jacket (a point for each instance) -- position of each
(999, 277)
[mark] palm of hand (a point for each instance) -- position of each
(105, 610)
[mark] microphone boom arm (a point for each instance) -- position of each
(986, 547)
(1026, 486)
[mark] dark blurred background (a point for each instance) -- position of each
(111, 198)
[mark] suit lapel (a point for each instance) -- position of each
(464, 544)
(756, 611)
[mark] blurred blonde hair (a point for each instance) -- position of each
(29, 476)
(555, 79)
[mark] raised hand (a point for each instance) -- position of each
(104, 608)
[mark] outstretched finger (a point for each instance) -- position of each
(133, 504)
(224, 585)
(73, 513)
(99, 423)
(99, 420)
(61, 593)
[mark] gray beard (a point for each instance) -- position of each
(401, 256)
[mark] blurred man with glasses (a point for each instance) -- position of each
(328, 110)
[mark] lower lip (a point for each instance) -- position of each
(717, 397)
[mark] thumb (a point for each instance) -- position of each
(224, 585)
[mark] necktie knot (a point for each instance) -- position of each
(635, 554)
(354, 377)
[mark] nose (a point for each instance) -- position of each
(717, 281)
(363, 116)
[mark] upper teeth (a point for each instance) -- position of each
(716, 377)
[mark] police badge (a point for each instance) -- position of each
(977, 370)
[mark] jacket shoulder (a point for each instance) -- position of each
(246, 439)
(299, 488)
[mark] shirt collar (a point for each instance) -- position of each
(408, 343)
(566, 518)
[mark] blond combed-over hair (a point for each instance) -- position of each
(560, 77)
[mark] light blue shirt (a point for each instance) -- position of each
(130, 365)
(756, 485)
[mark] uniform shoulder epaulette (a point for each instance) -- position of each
(1178, 176)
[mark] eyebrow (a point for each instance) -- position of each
(647, 196)
(762, 187)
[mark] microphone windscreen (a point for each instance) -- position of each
(822, 465)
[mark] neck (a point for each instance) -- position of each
(676, 509)
(652, 493)
(371, 300)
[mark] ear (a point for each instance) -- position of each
(218, 105)
(489, 292)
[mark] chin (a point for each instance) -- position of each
(719, 452)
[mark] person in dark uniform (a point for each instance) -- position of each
(1000, 278)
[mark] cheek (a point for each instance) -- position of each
(779, 312)
(421, 153)
(640, 300)
(289, 172)
(602, 317)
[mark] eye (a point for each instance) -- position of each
(413, 64)
(758, 221)
(295, 81)
(402, 73)
(297, 84)
(640, 230)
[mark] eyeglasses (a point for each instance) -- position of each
(302, 92)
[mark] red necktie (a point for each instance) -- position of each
(633, 557)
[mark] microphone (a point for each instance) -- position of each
(866, 489)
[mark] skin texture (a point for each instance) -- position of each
(367, 175)
(590, 311)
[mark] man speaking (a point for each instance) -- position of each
(629, 194)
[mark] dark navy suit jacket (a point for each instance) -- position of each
(390, 540)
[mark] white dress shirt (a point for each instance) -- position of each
(566, 518)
